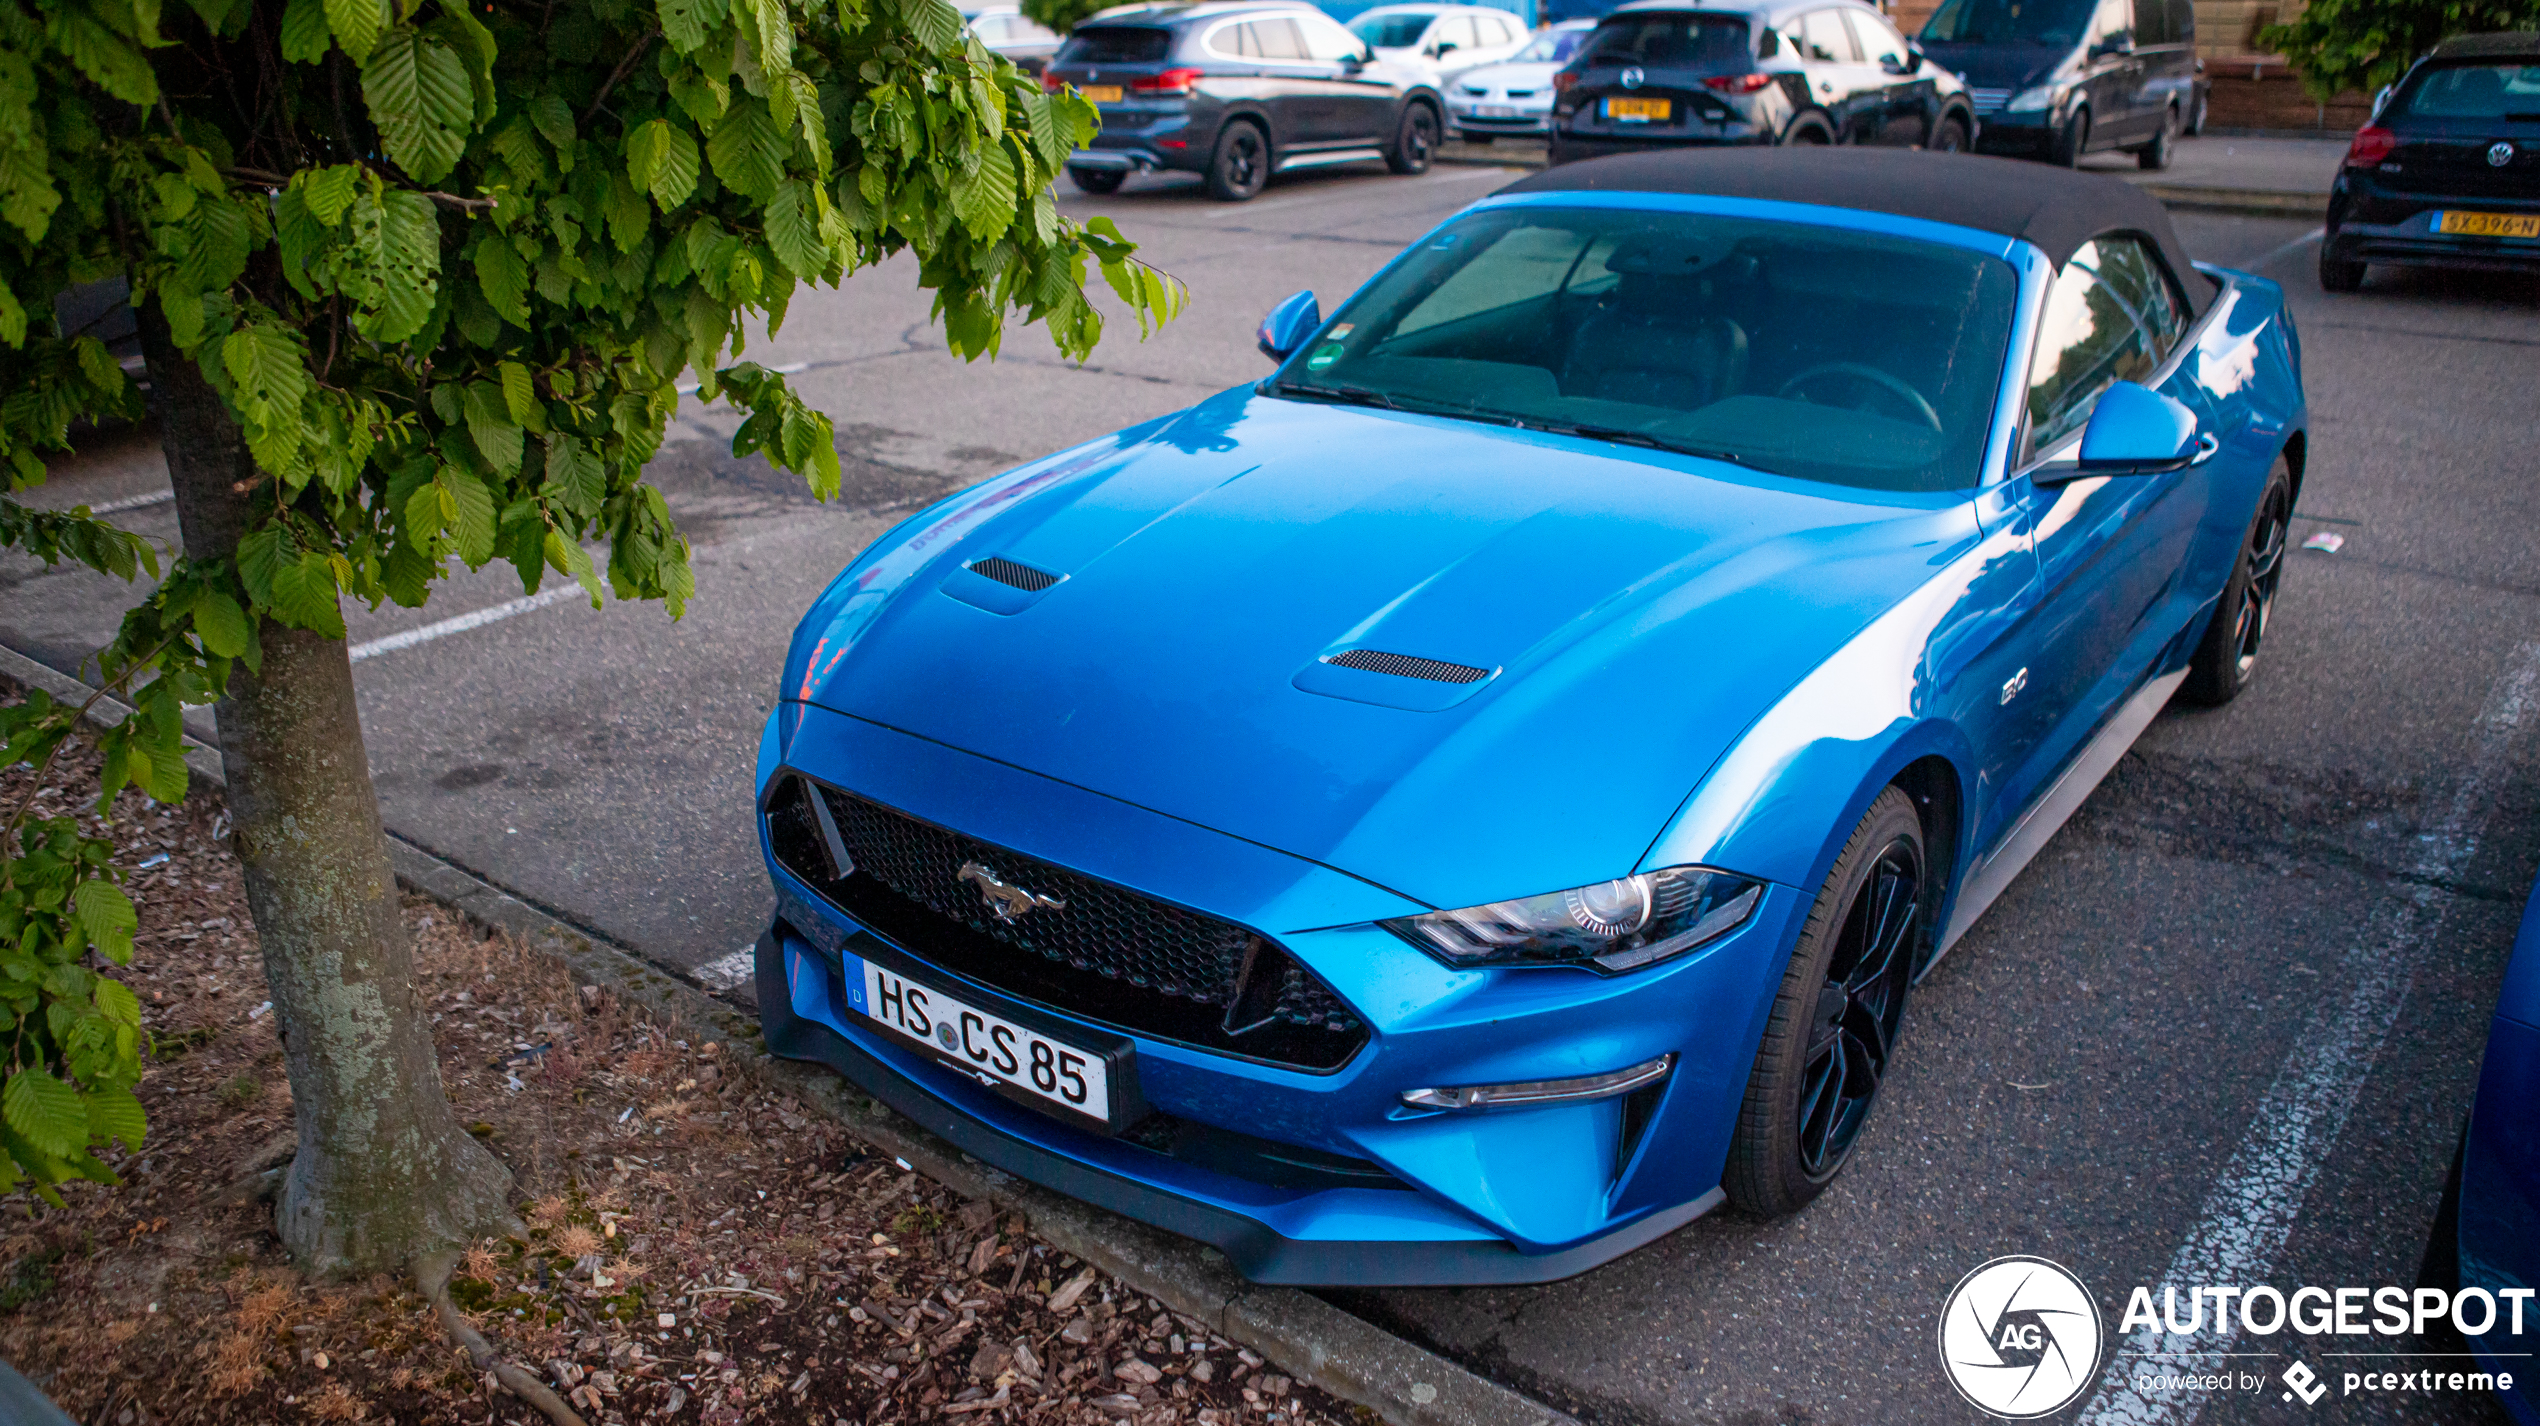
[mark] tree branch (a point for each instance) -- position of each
(432, 1274)
(625, 67)
(271, 179)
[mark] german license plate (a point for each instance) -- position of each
(1638, 111)
(1101, 93)
(2489, 225)
(1041, 1070)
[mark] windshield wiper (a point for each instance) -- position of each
(1346, 395)
(1626, 437)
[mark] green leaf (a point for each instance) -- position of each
(504, 279)
(267, 371)
(683, 23)
(570, 558)
(221, 624)
(491, 427)
(474, 523)
(357, 25)
(793, 231)
(554, 118)
(577, 475)
(984, 198)
(328, 191)
(47, 1112)
(306, 596)
(391, 264)
(106, 914)
(475, 46)
(12, 318)
(98, 52)
(305, 37)
(935, 24)
(519, 397)
(748, 151)
(113, 1111)
(419, 95)
(674, 175)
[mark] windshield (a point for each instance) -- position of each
(1672, 42)
(2473, 91)
(1391, 32)
(1992, 22)
(1550, 47)
(1812, 352)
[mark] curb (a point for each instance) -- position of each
(1309, 1338)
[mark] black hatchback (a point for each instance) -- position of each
(2447, 174)
(1666, 75)
(1237, 92)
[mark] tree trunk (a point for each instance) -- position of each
(384, 1169)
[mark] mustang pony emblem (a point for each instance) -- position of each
(1007, 902)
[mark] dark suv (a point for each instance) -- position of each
(2056, 79)
(2448, 172)
(1238, 92)
(1661, 75)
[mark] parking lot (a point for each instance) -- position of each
(2224, 1029)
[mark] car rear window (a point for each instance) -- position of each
(2473, 91)
(1811, 352)
(1671, 41)
(1117, 44)
(1391, 32)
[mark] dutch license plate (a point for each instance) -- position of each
(2489, 225)
(1049, 1072)
(1638, 111)
(1101, 93)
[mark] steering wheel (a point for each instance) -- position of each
(1870, 374)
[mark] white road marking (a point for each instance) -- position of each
(729, 971)
(133, 502)
(464, 622)
(2260, 263)
(2251, 1209)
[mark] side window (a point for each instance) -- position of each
(2151, 23)
(1501, 32)
(2114, 21)
(1879, 44)
(1326, 40)
(1278, 39)
(1456, 30)
(1234, 42)
(2090, 338)
(1026, 30)
(2133, 272)
(1823, 40)
(2182, 22)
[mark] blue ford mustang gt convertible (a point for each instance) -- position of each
(1476, 800)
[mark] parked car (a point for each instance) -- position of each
(1237, 92)
(1513, 96)
(1465, 806)
(1020, 38)
(2487, 1228)
(1662, 74)
(2056, 79)
(2447, 174)
(1439, 39)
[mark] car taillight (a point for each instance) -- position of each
(1563, 82)
(1051, 83)
(1737, 83)
(1171, 81)
(2372, 144)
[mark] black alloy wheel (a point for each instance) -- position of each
(1952, 137)
(1240, 165)
(1415, 143)
(1097, 180)
(2155, 155)
(2227, 658)
(1833, 1032)
(2072, 140)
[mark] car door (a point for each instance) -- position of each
(1361, 101)
(2115, 77)
(2110, 550)
(1832, 64)
(1905, 109)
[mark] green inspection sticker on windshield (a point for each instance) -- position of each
(1324, 356)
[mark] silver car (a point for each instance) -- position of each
(1513, 96)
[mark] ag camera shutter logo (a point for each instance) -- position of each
(2020, 1337)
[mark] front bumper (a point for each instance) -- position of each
(1435, 1198)
(1531, 124)
(2029, 133)
(2365, 225)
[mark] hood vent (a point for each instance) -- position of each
(1405, 666)
(1020, 576)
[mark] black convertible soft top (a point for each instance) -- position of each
(2057, 209)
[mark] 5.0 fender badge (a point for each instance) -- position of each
(1005, 901)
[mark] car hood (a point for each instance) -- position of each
(1634, 611)
(2014, 66)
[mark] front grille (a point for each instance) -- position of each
(1988, 101)
(1084, 946)
(1405, 666)
(1020, 576)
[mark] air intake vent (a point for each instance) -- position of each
(1021, 576)
(1405, 666)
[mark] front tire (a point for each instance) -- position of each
(2337, 275)
(1952, 137)
(1097, 181)
(2072, 140)
(1832, 1035)
(1240, 164)
(2227, 658)
(1415, 140)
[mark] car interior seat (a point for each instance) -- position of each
(1655, 338)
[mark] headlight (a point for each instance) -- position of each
(2032, 99)
(1611, 926)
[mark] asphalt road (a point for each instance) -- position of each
(2229, 1018)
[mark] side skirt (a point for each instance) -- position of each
(1994, 873)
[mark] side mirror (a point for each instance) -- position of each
(2138, 431)
(1445, 47)
(1892, 65)
(1288, 325)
